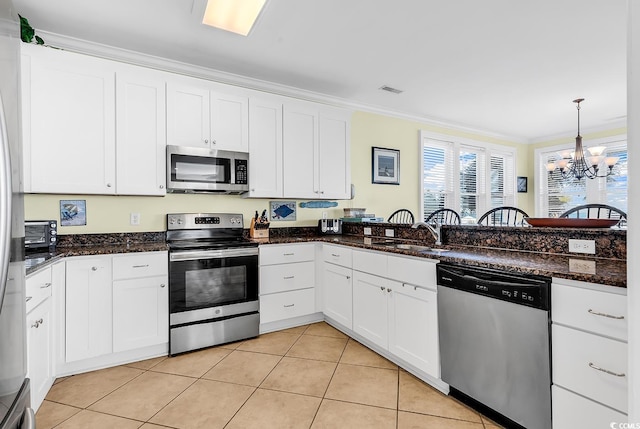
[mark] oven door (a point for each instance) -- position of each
(200, 279)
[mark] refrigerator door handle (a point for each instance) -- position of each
(29, 420)
(5, 204)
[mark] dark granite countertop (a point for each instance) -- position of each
(611, 272)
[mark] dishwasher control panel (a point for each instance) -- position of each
(532, 291)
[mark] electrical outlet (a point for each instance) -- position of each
(134, 218)
(367, 230)
(389, 233)
(582, 246)
(582, 266)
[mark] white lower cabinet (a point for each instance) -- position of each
(287, 282)
(40, 352)
(89, 314)
(589, 355)
(337, 288)
(370, 307)
(397, 309)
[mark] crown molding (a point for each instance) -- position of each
(621, 123)
(159, 63)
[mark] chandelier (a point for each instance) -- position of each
(577, 164)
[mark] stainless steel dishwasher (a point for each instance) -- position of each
(494, 343)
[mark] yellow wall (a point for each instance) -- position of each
(111, 213)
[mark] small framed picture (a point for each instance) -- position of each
(385, 166)
(282, 210)
(522, 184)
(73, 212)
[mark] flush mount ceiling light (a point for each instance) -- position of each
(576, 164)
(237, 16)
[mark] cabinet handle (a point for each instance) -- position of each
(46, 285)
(94, 268)
(335, 256)
(162, 285)
(28, 298)
(606, 371)
(382, 288)
(388, 290)
(288, 277)
(290, 305)
(213, 141)
(37, 323)
(348, 277)
(288, 254)
(595, 313)
(140, 266)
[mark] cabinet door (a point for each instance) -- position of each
(229, 122)
(140, 313)
(141, 132)
(40, 352)
(413, 326)
(265, 148)
(300, 139)
(338, 295)
(334, 165)
(188, 115)
(370, 314)
(68, 123)
(88, 308)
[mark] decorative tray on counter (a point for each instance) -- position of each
(566, 222)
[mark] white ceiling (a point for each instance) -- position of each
(503, 66)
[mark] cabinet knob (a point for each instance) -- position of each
(206, 141)
(348, 277)
(388, 290)
(108, 185)
(162, 285)
(213, 141)
(382, 288)
(161, 186)
(46, 285)
(94, 268)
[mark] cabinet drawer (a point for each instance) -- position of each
(370, 262)
(591, 310)
(286, 253)
(38, 288)
(286, 277)
(134, 265)
(285, 305)
(338, 255)
(573, 353)
(413, 271)
(574, 411)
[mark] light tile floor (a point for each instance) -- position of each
(307, 377)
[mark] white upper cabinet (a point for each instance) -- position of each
(265, 148)
(91, 126)
(300, 143)
(200, 114)
(316, 151)
(140, 133)
(68, 122)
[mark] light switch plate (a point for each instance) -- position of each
(367, 230)
(582, 246)
(134, 218)
(389, 233)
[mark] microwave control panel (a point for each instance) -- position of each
(241, 171)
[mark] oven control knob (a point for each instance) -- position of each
(179, 221)
(218, 311)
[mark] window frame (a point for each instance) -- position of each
(595, 190)
(488, 150)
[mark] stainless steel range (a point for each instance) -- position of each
(213, 281)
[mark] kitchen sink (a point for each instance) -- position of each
(412, 247)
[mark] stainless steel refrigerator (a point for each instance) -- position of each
(14, 386)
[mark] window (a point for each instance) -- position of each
(555, 195)
(467, 176)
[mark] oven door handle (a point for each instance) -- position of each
(192, 255)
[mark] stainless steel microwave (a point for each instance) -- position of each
(40, 235)
(192, 169)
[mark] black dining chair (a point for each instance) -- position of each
(401, 216)
(503, 216)
(596, 211)
(444, 217)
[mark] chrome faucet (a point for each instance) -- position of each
(435, 231)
